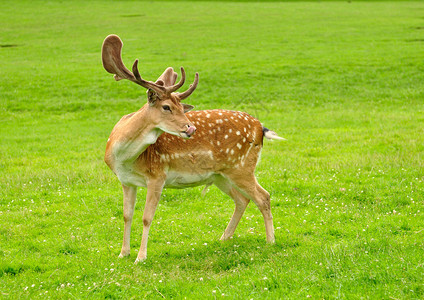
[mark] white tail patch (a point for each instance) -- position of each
(271, 135)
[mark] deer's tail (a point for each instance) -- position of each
(271, 135)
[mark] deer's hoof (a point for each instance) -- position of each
(124, 254)
(138, 260)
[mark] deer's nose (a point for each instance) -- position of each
(190, 130)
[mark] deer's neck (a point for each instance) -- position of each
(132, 135)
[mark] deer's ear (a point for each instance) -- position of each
(187, 107)
(152, 97)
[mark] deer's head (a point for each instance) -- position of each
(165, 107)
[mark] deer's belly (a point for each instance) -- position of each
(184, 180)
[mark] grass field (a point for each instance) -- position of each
(342, 81)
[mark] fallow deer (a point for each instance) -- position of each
(156, 147)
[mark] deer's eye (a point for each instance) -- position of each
(166, 107)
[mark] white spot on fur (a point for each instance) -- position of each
(238, 132)
(218, 143)
(238, 146)
(226, 136)
(228, 150)
(232, 151)
(208, 115)
(230, 130)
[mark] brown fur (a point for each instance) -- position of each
(192, 154)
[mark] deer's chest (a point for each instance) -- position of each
(128, 176)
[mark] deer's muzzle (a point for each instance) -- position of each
(190, 130)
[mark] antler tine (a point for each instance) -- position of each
(191, 88)
(160, 90)
(180, 83)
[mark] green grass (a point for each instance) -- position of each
(343, 82)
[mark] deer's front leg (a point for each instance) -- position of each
(130, 194)
(154, 190)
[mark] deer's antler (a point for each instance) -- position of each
(112, 62)
(165, 85)
(191, 89)
(169, 77)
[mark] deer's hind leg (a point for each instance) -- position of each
(240, 202)
(248, 186)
